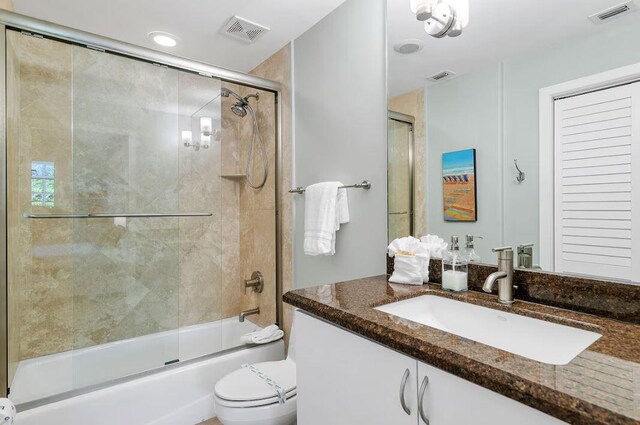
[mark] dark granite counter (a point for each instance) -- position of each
(599, 386)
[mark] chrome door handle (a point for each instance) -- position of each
(403, 385)
(421, 411)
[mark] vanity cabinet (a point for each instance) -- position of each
(345, 379)
(449, 400)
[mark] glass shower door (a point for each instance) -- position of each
(399, 177)
(114, 223)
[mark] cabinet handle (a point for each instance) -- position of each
(403, 384)
(421, 411)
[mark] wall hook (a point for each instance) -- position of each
(520, 177)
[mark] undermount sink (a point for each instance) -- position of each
(535, 339)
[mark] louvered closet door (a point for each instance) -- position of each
(597, 183)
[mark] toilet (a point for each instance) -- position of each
(242, 398)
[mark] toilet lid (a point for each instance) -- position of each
(244, 385)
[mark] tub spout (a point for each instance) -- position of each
(246, 313)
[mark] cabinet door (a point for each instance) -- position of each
(344, 379)
(449, 400)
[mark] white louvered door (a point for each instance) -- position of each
(597, 171)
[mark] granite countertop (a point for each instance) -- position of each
(599, 386)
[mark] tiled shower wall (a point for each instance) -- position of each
(77, 283)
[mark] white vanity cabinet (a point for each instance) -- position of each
(345, 379)
(449, 400)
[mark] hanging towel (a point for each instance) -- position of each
(325, 209)
(263, 336)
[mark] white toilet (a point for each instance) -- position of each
(242, 398)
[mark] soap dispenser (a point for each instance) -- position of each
(470, 251)
(454, 269)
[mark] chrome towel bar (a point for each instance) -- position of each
(364, 185)
(111, 215)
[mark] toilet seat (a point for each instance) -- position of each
(243, 388)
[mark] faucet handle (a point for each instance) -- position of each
(525, 248)
(502, 248)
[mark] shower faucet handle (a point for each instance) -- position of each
(256, 282)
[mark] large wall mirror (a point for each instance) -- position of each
(527, 127)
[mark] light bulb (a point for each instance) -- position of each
(462, 12)
(187, 138)
(205, 126)
(205, 141)
(422, 8)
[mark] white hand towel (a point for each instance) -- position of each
(342, 214)
(264, 336)
(411, 262)
(325, 209)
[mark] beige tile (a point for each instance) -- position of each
(278, 68)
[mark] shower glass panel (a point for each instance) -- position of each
(399, 178)
(113, 223)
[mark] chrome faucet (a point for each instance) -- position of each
(504, 276)
(246, 313)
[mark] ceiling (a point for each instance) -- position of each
(497, 29)
(196, 22)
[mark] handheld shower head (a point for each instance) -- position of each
(225, 92)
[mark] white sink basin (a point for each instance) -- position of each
(532, 338)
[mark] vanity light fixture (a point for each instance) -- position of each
(187, 138)
(163, 39)
(205, 126)
(207, 133)
(443, 17)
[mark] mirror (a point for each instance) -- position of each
(526, 127)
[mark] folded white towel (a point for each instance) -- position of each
(264, 336)
(411, 262)
(435, 244)
(326, 207)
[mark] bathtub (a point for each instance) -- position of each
(89, 387)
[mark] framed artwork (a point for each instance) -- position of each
(459, 185)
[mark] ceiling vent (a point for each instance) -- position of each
(613, 12)
(442, 75)
(242, 29)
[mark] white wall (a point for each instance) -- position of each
(463, 113)
(340, 134)
(502, 116)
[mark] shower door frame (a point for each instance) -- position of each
(43, 29)
(407, 119)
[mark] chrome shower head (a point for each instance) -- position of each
(239, 109)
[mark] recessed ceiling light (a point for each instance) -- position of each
(406, 47)
(162, 38)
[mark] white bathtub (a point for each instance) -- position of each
(177, 395)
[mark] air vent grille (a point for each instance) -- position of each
(613, 12)
(243, 29)
(442, 75)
